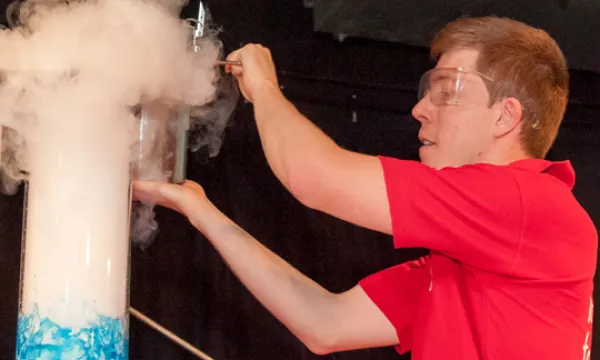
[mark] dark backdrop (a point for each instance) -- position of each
(358, 92)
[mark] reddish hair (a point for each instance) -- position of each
(526, 64)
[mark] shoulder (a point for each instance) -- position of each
(396, 168)
(468, 185)
(533, 174)
(558, 237)
(546, 190)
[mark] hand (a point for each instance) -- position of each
(183, 198)
(257, 70)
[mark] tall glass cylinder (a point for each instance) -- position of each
(75, 255)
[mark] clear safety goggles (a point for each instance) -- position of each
(444, 86)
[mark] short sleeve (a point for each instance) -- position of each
(472, 213)
(397, 292)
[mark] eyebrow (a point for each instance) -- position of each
(438, 77)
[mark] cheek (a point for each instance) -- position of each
(453, 126)
(461, 128)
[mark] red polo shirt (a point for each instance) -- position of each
(510, 274)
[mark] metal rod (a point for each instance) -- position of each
(229, 62)
(179, 341)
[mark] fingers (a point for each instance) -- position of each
(238, 55)
(234, 56)
(145, 191)
(152, 192)
(172, 193)
(164, 193)
(183, 198)
(157, 193)
(237, 71)
(257, 67)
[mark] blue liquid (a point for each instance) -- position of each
(42, 339)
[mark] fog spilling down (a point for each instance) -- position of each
(73, 73)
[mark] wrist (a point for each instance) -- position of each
(266, 90)
(206, 217)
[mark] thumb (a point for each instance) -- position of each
(237, 71)
(175, 197)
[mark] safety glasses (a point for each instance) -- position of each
(444, 86)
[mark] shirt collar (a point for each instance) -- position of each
(562, 170)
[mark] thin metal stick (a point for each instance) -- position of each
(154, 325)
(229, 62)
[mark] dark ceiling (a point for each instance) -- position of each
(574, 24)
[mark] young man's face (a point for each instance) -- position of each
(457, 123)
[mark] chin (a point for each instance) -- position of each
(429, 162)
(439, 164)
(430, 157)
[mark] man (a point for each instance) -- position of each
(513, 254)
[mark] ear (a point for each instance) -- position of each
(511, 114)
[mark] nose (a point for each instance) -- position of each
(421, 111)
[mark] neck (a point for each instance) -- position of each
(502, 155)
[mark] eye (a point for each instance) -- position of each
(440, 97)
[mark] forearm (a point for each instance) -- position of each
(294, 147)
(301, 304)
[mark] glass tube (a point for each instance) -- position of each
(162, 143)
(74, 289)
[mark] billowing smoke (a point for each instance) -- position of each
(78, 73)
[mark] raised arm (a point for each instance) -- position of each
(317, 171)
(323, 321)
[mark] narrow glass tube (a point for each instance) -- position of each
(163, 142)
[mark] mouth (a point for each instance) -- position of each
(426, 142)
